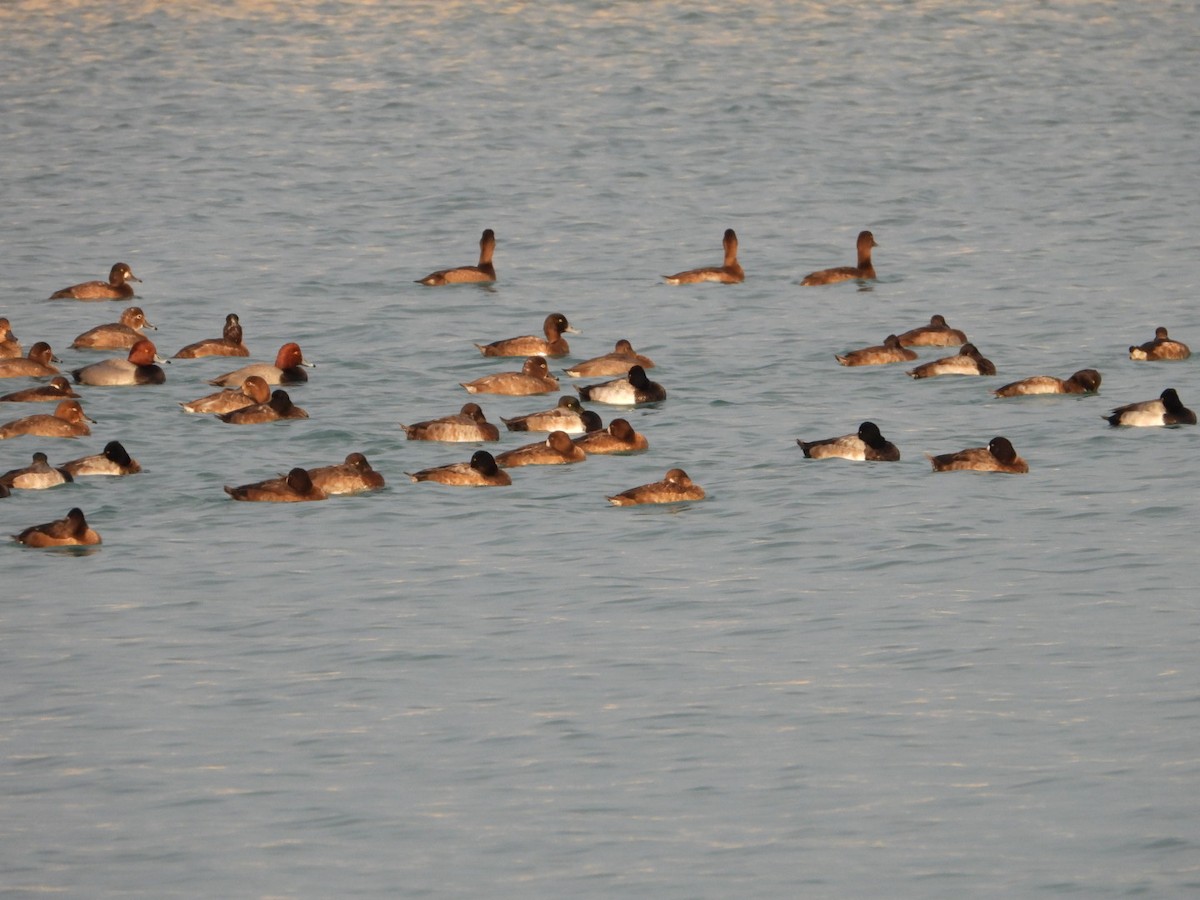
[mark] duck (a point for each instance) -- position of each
(1161, 348)
(57, 389)
(890, 351)
(553, 344)
(1168, 409)
(286, 370)
(635, 388)
(137, 368)
(557, 449)
(116, 288)
(114, 460)
(354, 476)
(675, 487)
(71, 531)
(68, 421)
(620, 361)
(280, 406)
(37, 476)
(228, 344)
(534, 378)
(618, 437)
(253, 390)
(868, 443)
(968, 361)
(481, 471)
(566, 416)
(9, 345)
(294, 487)
(37, 362)
(468, 425)
(864, 271)
(936, 334)
(484, 273)
(1085, 381)
(729, 272)
(997, 456)
(115, 335)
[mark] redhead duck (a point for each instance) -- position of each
(116, 288)
(534, 378)
(280, 406)
(481, 471)
(889, 351)
(620, 361)
(34, 364)
(72, 531)
(1168, 409)
(115, 335)
(936, 334)
(865, 444)
(553, 344)
(676, 486)
(137, 368)
(228, 344)
(1085, 381)
(353, 476)
(485, 272)
(633, 389)
(997, 456)
(295, 487)
(9, 345)
(557, 449)
(37, 476)
(287, 369)
(253, 390)
(566, 416)
(969, 361)
(864, 271)
(1162, 347)
(115, 460)
(468, 425)
(727, 273)
(56, 390)
(619, 437)
(68, 421)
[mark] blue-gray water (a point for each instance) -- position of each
(826, 680)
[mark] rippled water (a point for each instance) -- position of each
(827, 679)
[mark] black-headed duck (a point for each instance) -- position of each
(137, 368)
(116, 288)
(729, 272)
(675, 487)
(1085, 381)
(968, 361)
(280, 406)
(534, 378)
(483, 273)
(115, 335)
(228, 344)
(115, 460)
(865, 444)
(1168, 409)
(71, 531)
(621, 360)
(466, 426)
(481, 471)
(553, 344)
(890, 351)
(67, 421)
(997, 456)
(295, 487)
(635, 388)
(1161, 348)
(557, 449)
(864, 271)
(566, 416)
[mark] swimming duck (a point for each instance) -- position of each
(553, 344)
(936, 334)
(287, 369)
(534, 378)
(865, 444)
(620, 361)
(37, 476)
(353, 476)
(116, 288)
(619, 437)
(675, 487)
(280, 406)
(556, 449)
(481, 471)
(137, 368)
(997, 456)
(482, 273)
(228, 344)
(295, 487)
(56, 390)
(864, 271)
(115, 335)
(1162, 347)
(469, 424)
(968, 361)
(566, 416)
(889, 351)
(35, 363)
(68, 421)
(1168, 409)
(631, 390)
(1085, 381)
(727, 273)
(115, 460)
(67, 532)
(253, 390)
(9, 345)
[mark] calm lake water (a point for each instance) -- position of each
(828, 679)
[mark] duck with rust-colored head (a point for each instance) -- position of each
(483, 273)
(288, 369)
(729, 272)
(137, 368)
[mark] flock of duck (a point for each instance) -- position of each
(255, 394)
